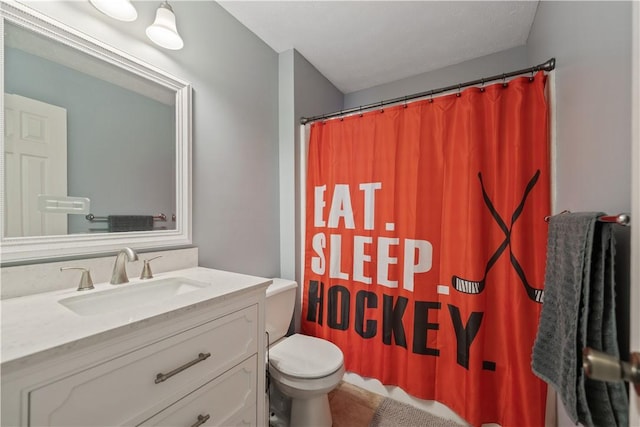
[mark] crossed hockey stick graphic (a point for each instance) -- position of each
(477, 286)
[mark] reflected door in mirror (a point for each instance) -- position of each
(35, 163)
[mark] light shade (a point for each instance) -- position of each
(163, 31)
(121, 10)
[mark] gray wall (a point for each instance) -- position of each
(304, 92)
(592, 44)
(497, 63)
(235, 124)
(287, 161)
(107, 127)
(314, 95)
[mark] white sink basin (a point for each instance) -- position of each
(130, 295)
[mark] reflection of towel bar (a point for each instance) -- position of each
(622, 219)
(93, 218)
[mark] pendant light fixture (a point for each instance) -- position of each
(121, 10)
(163, 31)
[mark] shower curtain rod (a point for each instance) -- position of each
(546, 66)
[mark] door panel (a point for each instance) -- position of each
(35, 163)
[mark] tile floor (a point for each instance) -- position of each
(352, 406)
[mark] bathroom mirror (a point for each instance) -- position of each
(91, 135)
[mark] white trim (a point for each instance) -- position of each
(34, 248)
(550, 92)
(302, 200)
(551, 406)
(634, 321)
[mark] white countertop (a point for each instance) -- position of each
(37, 324)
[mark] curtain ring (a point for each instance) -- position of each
(504, 81)
(381, 106)
(482, 85)
(361, 111)
(458, 94)
(405, 102)
(431, 97)
(531, 77)
(341, 116)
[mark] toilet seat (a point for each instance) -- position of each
(304, 357)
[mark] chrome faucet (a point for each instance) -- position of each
(119, 274)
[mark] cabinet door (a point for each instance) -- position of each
(127, 388)
(229, 400)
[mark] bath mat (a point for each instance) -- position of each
(391, 413)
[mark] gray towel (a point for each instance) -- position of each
(607, 401)
(578, 311)
(130, 223)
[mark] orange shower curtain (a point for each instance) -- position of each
(425, 246)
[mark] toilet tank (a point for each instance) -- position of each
(281, 300)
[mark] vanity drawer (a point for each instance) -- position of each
(229, 400)
(127, 387)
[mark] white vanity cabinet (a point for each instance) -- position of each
(229, 400)
(200, 365)
(129, 384)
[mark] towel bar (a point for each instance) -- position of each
(622, 219)
(93, 218)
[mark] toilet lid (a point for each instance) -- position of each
(303, 356)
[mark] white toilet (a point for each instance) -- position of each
(303, 368)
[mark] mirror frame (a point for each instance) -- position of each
(27, 249)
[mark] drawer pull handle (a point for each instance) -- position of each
(163, 377)
(201, 420)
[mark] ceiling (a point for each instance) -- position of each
(361, 44)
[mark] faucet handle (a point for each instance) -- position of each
(146, 269)
(85, 280)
